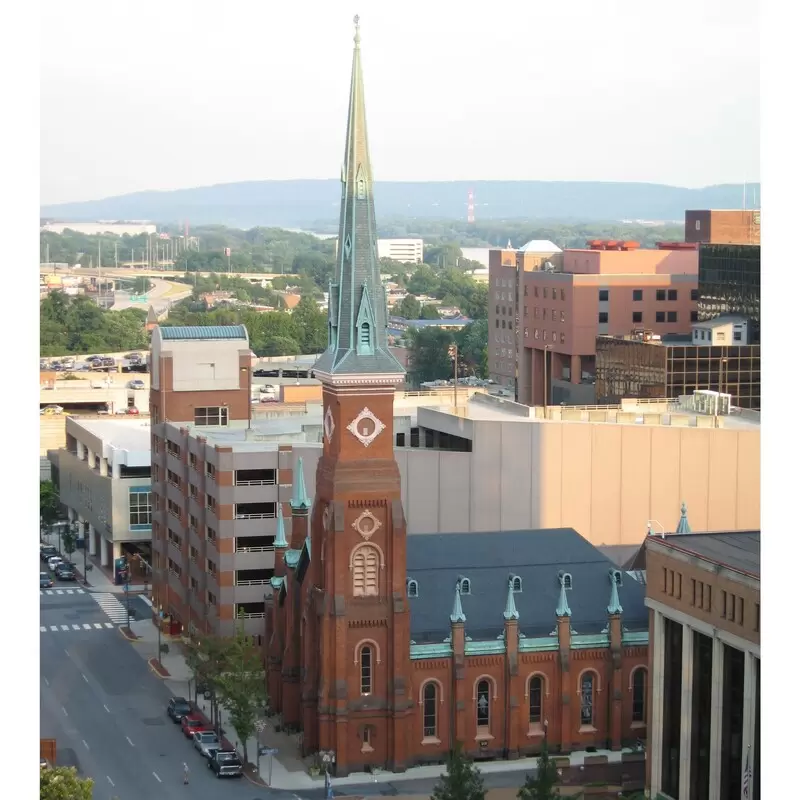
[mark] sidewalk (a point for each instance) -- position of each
(288, 770)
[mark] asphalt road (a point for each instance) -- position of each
(106, 710)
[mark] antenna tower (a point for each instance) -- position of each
(471, 207)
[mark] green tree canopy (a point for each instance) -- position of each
(429, 312)
(461, 781)
(408, 308)
(428, 355)
(63, 783)
(473, 347)
(542, 784)
(49, 503)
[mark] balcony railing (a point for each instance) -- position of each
(265, 549)
(253, 583)
(267, 482)
(251, 615)
(177, 545)
(265, 515)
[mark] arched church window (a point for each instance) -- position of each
(429, 711)
(365, 572)
(366, 669)
(483, 707)
(365, 339)
(639, 695)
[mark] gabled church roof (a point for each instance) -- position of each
(357, 337)
(437, 562)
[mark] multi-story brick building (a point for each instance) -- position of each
(387, 649)
(704, 600)
(723, 227)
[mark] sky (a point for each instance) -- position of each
(153, 95)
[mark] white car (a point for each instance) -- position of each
(136, 384)
(54, 562)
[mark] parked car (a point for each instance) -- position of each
(206, 743)
(54, 561)
(51, 411)
(190, 724)
(63, 572)
(178, 708)
(136, 384)
(132, 411)
(47, 551)
(45, 581)
(225, 764)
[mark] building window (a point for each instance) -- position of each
(587, 699)
(637, 316)
(672, 294)
(695, 294)
(535, 333)
(483, 705)
(525, 311)
(693, 316)
(516, 584)
(503, 326)
(140, 504)
(497, 309)
(412, 589)
(639, 687)
(497, 323)
(554, 315)
(211, 415)
(563, 317)
(603, 296)
(211, 567)
(173, 449)
(661, 294)
(535, 291)
(535, 698)
(697, 224)
(193, 460)
(562, 338)
(429, 711)
(737, 336)
(365, 572)
(672, 316)
(637, 295)
(366, 669)
(464, 586)
(602, 317)
(525, 331)
(563, 295)
(758, 618)
(660, 316)
(211, 598)
(536, 312)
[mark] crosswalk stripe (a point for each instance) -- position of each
(58, 591)
(87, 626)
(49, 591)
(98, 625)
(76, 627)
(79, 591)
(109, 625)
(54, 628)
(42, 628)
(65, 627)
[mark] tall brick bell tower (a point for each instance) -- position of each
(358, 527)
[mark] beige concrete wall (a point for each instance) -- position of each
(604, 480)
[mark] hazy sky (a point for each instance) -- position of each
(173, 94)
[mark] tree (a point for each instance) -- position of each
(428, 356)
(242, 685)
(69, 541)
(311, 325)
(206, 657)
(541, 785)
(280, 346)
(63, 783)
(462, 781)
(429, 312)
(408, 307)
(423, 281)
(473, 347)
(49, 503)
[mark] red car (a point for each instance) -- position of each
(191, 725)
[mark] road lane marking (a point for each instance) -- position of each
(109, 780)
(98, 625)
(157, 778)
(54, 628)
(49, 591)
(65, 627)
(109, 625)
(76, 627)
(69, 591)
(106, 708)
(84, 744)
(58, 591)
(84, 677)
(130, 742)
(42, 629)
(87, 626)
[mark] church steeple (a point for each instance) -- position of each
(357, 317)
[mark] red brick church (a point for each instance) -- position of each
(386, 648)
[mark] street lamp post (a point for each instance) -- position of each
(85, 542)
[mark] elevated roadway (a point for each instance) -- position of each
(135, 272)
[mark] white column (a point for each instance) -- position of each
(71, 515)
(656, 704)
(749, 712)
(80, 449)
(103, 467)
(90, 458)
(103, 552)
(116, 549)
(115, 470)
(687, 674)
(715, 754)
(92, 542)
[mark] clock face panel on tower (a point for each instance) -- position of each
(366, 427)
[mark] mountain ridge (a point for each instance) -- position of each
(304, 201)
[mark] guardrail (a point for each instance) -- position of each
(267, 515)
(251, 615)
(255, 483)
(267, 548)
(252, 583)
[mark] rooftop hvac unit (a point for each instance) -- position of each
(713, 403)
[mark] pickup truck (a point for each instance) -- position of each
(225, 764)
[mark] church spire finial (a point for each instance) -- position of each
(357, 37)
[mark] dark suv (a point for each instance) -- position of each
(177, 708)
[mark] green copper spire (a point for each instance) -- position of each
(299, 494)
(357, 315)
(458, 612)
(280, 536)
(562, 609)
(614, 606)
(511, 607)
(683, 522)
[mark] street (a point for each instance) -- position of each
(106, 709)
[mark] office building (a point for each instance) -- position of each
(710, 359)
(406, 251)
(723, 227)
(729, 284)
(387, 649)
(704, 600)
(608, 288)
(103, 479)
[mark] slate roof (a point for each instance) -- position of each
(436, 561)
(738, 550)
(203, 332)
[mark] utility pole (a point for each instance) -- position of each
(116, 257)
